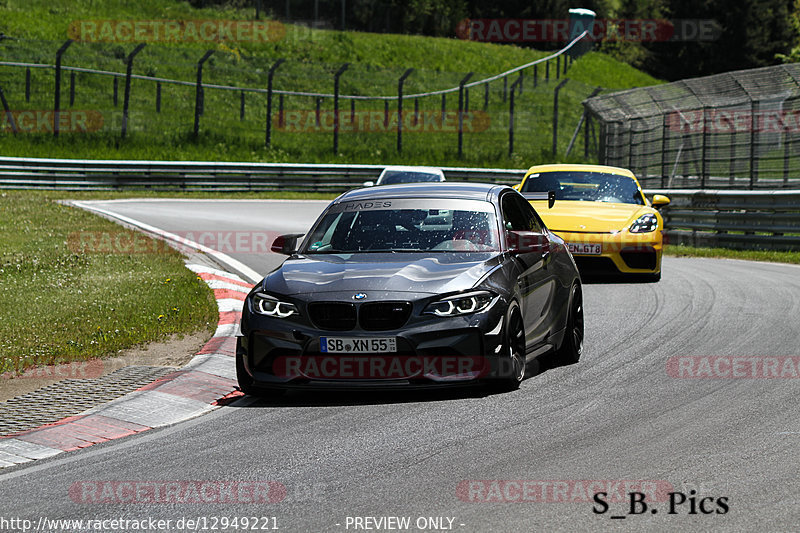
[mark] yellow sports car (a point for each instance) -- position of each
(602, 214)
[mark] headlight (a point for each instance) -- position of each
(264, 304)
(645, 224)
(460, 304)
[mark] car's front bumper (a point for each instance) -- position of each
(628, 253)
(279, 354)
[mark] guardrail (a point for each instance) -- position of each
(731, 219)
(75, 174)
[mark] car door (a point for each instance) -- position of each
(535, 283)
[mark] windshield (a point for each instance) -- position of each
(404, 176)
(586, 186)
(420, 225)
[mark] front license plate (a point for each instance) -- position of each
(585, 248)
(357, 344)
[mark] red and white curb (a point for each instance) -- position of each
(204, 384)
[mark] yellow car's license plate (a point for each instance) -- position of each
(357, 344)
(585, 248)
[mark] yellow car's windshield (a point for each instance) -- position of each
(585, 186)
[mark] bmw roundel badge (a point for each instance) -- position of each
(359, 296)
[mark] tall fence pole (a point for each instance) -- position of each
(511, 117)
(461, 114)
(27, 84)
(9, 114)
(555, 113)
(127, 98)
(270, 75)
(57, 103)
(400, 83)
(71, 89)
(336, 106)
(158, 97)
(198, 93)
(752, 144)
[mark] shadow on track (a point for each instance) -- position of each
(345, 397)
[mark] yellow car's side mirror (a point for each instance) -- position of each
(659, 200)
(517, 187)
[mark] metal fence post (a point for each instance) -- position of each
(127, 98)
(317, 111)
(9, 114)
(198, 94)
(461, 114)
(547, 70)
(558, 67)
(57, 103)
(71, 89)
(535, 76)
(664, 135)
(116, 91)
(703, 152)
(241, 105)
(485, 96)
(270, 75)
(786, 156)
(158, 97)
(386, 114)
(511, 118)
(753, 170)
(400, 82)
(555, 113)
(27, 84)
(336, 106)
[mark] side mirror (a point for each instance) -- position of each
(517, 187)
(369, 183)
(286, 244)
(523, 242)
(659, 200)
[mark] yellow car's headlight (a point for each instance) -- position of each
(645, 224)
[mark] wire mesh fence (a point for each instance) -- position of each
(733, 130)
(175, 92)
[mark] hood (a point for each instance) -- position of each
(597, 217)
(384, 272)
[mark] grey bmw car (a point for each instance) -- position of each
(428, 284)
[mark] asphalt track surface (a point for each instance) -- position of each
(616, 415)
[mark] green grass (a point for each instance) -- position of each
(725, 253)
(62, 304)
(376, 63)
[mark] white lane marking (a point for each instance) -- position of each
(248, 272)
(194, 267)
(219, 284)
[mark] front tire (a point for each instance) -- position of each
(571, 347)
(513, 365)
(247, 384)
